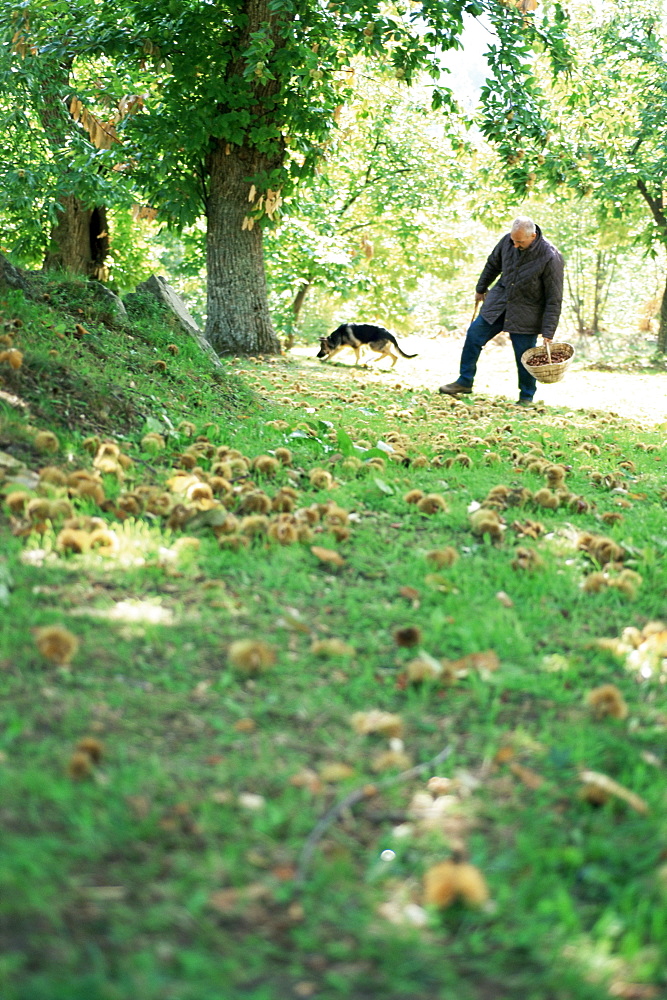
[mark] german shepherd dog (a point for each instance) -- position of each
(358, 335)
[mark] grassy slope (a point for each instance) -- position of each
(123, 883)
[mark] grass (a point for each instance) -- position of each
(169, 869)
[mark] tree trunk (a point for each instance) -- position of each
(79, 240)
(299, 299)
(238, 319)
(296, 310)
(657, 206)
(662, 332)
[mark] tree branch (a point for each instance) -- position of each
(368, 790)
(655, 204)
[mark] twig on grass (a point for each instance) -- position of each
(365, 791)
(142, 461)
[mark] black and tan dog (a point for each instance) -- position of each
(358, 335)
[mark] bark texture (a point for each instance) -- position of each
(238, 319)
(79, 240)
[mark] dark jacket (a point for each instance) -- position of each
(530, 288)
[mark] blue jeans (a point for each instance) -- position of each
(480, 332)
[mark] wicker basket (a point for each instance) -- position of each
(547, 373)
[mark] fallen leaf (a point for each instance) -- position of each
(390, 760)
(531, 779)
(331, 647)
(334, 772)
(424, 667)
(249, 800)
(377, 721)
(441, 786)
(306, 778)
(440, 583)
(284, 873)
(554, 663)
(292, 620)
(245, 725)
(229, 900)
(485, 662)
(305, 988)
(327, 555)
(594, 782)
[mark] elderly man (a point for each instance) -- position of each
(525, 302)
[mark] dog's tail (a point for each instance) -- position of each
(392, 338)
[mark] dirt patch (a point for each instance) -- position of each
(639, 397)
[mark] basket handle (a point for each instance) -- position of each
(548, 347)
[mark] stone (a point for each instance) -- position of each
(115, 311)
(14, 277)
(159, 287)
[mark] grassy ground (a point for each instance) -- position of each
(225, 830)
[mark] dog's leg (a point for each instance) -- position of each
(386, 352)
(335, 351)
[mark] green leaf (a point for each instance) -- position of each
(154, 426)
(345, 442)
(382, 486)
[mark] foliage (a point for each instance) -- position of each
(58, 115)
(279, 91)
(186, 84)
(136, 249)
(375, 218)
(607, 139)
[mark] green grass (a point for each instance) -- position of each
(121, 884)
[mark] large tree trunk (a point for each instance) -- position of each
(79, 240)
(238, 319)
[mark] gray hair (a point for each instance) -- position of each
(522, 224)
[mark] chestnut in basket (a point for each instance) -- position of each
(558, 355)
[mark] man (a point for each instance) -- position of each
(525, 302)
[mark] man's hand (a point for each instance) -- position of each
(480, 296)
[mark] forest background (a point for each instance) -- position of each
(383, 210)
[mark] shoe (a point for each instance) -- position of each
(524, 402)
(454, 389)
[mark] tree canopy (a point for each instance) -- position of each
(238, 103)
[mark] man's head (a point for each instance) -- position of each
(523, 232)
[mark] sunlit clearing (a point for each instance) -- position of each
(136, 612)
(119, 545)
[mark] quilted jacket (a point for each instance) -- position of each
(530, 287)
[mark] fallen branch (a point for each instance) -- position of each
(366, 791)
